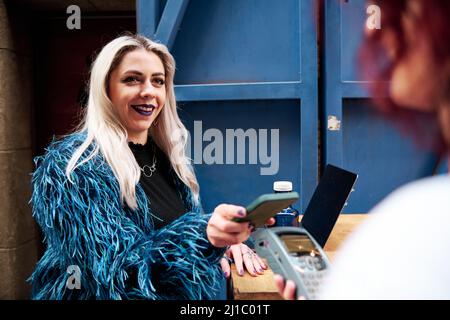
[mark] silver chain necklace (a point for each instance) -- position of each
(148, 170)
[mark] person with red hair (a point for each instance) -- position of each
(402, 250)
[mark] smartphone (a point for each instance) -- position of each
(267, 206)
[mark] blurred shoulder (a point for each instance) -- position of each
(379, 259)
(425, 195)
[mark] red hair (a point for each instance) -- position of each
(435, 29)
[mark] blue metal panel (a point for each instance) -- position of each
(249, 53)
(309, 140)
(160, 26)
(266, 90)
(382, 156)
(353, 19)
(365, 143)
(147, 16)
(241, 183)
(170, 21)
(233, 41)
(331, 82)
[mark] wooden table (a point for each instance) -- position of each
(263, 287)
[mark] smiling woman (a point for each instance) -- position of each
(114, 205)
(137, 91)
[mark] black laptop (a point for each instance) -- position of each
(327, 202)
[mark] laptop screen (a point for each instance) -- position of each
(327, 202)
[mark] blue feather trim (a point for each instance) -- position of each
(119, 253)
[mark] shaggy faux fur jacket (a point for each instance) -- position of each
(114, 250)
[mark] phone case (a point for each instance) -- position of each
(267, 206)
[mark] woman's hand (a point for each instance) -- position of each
(286, 290)
(242, 256)
(222, 231)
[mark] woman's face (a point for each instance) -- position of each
(138, 92)
(416, 78)
(418, 82)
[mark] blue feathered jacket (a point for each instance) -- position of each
(117, 250)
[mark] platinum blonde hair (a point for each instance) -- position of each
(109, 136)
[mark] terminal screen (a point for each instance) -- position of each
(299, 245)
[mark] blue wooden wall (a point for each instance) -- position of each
(248, 65)
(253, 65)
(366, 143)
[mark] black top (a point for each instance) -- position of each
(164, 199)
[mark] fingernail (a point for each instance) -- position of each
(241, 213)
(241, 272)
(226, 274)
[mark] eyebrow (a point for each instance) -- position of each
(141, 74)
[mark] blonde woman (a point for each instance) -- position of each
(118, 206)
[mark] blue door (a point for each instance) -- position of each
(246, 86)
(364, 141)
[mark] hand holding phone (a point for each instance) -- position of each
(267, 206)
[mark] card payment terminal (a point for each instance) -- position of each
(292, 253)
